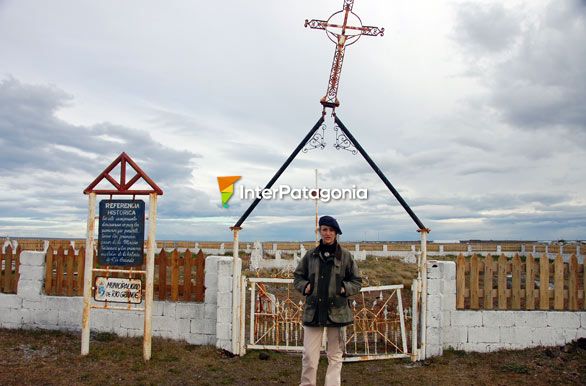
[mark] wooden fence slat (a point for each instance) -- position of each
(80, 271)
(573, 284)
(502, 282)
(187, 256)
(70, 260)
(474, 282)
(460, 281)
(488, 277)
(530, 283)
(1, 270)
(8, 270)
(544, 282)
(558, 283)
(156, 275)
(516, 283)
(49, 271)
(59, 276)
(199, 277)
(16, 276)
(162, 275)
(95, 264)
(2, 259)
(174, 275)
(95, 260)
(584, 286)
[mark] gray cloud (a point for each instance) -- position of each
(489, 27)
(494, 200)
(541, 83)
(475, 144)
(33, 135)
(253, 153)
(47, 162)
(481, 170)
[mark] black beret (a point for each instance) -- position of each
(331, 222)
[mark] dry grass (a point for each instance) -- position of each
(52, 358)
(375, 271)
(386, 270)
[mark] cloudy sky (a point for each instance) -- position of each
(473, 109)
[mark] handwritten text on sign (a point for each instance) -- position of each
(121, 232)
(118, 290)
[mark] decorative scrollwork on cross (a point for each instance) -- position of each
(342, 141)
(343, 28)
(318, 140)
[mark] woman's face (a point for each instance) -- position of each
(328, 234)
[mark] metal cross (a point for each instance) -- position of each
(342, 34)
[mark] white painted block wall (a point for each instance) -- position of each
(197, 323)
(483, 331)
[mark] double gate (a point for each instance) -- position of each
(273, 312)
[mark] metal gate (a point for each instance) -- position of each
(273, 311)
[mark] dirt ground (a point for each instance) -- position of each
(52, 358)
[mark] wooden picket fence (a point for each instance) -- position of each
(179, 276)
(9, 267)
(520, 283)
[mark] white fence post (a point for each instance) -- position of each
(87, 282)
(236, 282)
(150, 277)
(423, 269)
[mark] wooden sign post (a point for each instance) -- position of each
(121, 237)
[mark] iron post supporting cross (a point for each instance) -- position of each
(381, 175)
(279, 172)
(342, 35)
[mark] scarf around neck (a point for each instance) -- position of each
(327, 250)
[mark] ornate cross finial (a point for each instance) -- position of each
(339, 31)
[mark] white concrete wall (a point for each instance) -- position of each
(483, 331)
(197, 323)
(224, 302)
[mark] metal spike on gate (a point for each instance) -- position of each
(355, 337)
(286, 327)
(386, 336)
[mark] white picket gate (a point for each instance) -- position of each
(273, 320)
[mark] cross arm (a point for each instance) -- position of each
(316, 24)
(372, 31)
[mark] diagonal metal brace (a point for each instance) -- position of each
(281, 170)
(380, 174)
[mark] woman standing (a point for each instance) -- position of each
(327, 275)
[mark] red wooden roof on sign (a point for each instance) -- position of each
(123, 186)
